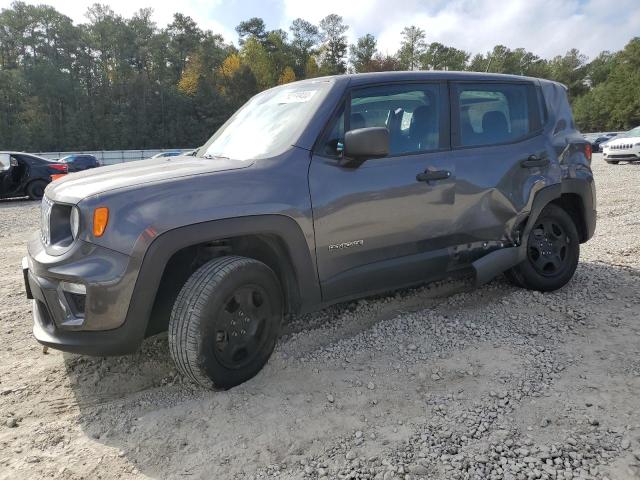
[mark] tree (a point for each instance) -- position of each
(361, 54)
(311, 69)
(114, 82)
(412, 47)
(288, 76)
(384, 63)
(254, 27)
(184, 38)
(306, 37)
(614, 103)
(571, 70)
(440, 57)
(334, 45)
(600, 68)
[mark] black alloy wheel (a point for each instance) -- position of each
(548, 247)
(240, 328)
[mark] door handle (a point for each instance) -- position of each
(534, 161)
(432, 175)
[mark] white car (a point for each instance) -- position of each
(624, 148)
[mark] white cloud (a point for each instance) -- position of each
(546, 27)
(162, 11)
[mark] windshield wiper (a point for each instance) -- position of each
(217, 157)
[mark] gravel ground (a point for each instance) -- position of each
(443, 382)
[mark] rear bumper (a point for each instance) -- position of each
(95, 323)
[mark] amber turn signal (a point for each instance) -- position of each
(100, 220)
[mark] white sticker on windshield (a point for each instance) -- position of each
(295, 97)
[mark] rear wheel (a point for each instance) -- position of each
(35, 189)
(553, 250)
(225, 321)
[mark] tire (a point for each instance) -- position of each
(225, 321)
(553, 251)
(35, 189)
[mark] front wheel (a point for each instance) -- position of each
(553, 250)
(225, 321)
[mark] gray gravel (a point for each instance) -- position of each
(440, 382)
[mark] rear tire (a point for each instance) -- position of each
(35, 189)
(553, 251)
(225, 321)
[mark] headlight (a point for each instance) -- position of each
(74, 220)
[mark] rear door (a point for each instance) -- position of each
(501, 158)
(385, 222)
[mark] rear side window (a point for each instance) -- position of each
(412, 113)
(490, 114)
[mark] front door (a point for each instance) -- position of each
(386, 222)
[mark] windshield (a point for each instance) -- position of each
(268, 123)
(635, 132)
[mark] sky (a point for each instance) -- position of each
(545, 27)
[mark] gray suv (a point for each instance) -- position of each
(313, 193)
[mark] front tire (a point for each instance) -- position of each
(553, 251)
(225, 321)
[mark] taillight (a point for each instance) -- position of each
(588, 151)
(59, 167)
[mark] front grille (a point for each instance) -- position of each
(45, 220)
(624, 156)
(621, 146)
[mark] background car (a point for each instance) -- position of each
(624, 147)
(23, 174)
(79, 162)
(173, 153)
(600, 139)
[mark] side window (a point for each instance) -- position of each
(410, 112)
(332, 142)
(491, 113)
(5, 162)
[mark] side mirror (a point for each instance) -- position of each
(363, 143)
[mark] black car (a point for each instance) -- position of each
(600, 139)
(22, 174)
(79, 162)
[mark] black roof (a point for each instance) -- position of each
(375, 77)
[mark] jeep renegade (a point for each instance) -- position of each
(313, 193)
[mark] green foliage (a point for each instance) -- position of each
(440, 57)
(334, 45)
(361, 54)
(614, 102)
(116, 82)
(412, 47)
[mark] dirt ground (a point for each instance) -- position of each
(439, 382)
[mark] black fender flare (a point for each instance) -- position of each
(498, 261)
(155, 252)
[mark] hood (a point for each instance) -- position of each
(622, 141)
(76, 186)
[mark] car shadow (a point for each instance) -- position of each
(139, 404)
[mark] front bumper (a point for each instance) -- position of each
(97, 324)
(621, 155)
